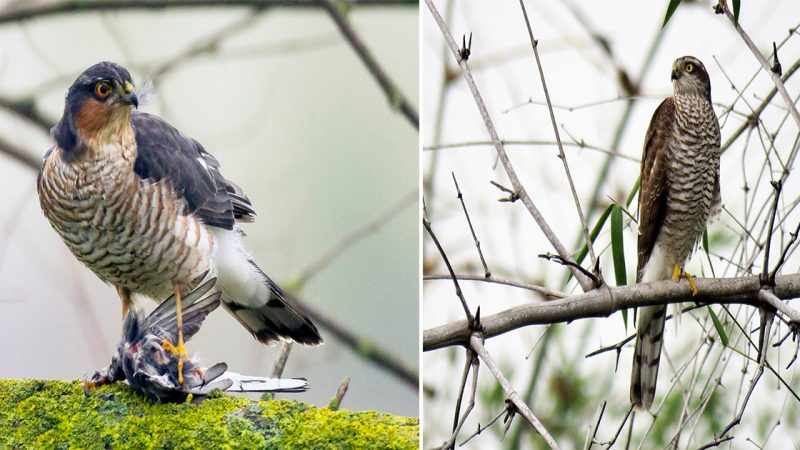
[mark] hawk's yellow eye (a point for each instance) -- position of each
(102, 89)
(689, 68)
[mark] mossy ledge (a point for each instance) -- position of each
(57, 414)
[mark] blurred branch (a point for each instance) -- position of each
(355, 236)
(393, 93)
(19, 154)
(363, 347)
(35, 9)
(604, 302)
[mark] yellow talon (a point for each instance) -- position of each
(678, 273)
(179, 352)
(692, 286)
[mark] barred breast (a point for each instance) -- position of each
(692, 174)
(132, 233)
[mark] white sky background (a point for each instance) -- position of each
(296, 120)
(577, 73)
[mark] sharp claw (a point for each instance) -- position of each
(179, 351)
(692, 285)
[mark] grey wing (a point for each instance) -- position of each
(194, 311)
(653, 181)
(164, 153)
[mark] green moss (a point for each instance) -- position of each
(57, 414)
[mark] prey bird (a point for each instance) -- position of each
(152, 370)
(147, 209)
(679, 193)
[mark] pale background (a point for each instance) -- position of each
(296, 120)
(579, 74)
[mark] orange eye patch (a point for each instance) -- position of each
(102, 89)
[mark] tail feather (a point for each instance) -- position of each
(647, 355)
(254, 299)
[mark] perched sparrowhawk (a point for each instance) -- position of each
(146, 208)
(679, 193)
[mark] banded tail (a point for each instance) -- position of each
(254, 299)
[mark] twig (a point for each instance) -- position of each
(550, 293)
(19, 154)
(486, 272)
(565, 262)
(390, 89)
(507, 142)
(476, 343)
(598, 279)
(336, 401)
(482, 428)
(280, 361)
(738, 418)
(473, 364)
(591, 439)
(584, 282)
(459, 293)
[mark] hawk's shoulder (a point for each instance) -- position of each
(164, 153)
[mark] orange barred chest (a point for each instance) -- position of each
(132, 233)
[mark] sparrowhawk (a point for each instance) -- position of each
(146, 208)
(679, 192)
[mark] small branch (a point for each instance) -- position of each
(550, 293)
(558, 259)
(473, 364)
(519, 190)
(486, 272)
(476, 343)
(355, 236)
(280, 361)
(336, 401)
(390, 89)
(459, 293)
(19, 154)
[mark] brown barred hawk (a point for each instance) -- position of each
(146, 208)
(679, 193)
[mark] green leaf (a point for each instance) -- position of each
(723, 337)
(634, 190)
(617, 246)
(736, 5)
(705, 240)
(673, 5)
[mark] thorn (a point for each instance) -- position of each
(776, 65)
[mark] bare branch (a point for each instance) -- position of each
(476, 343)
(602, 303)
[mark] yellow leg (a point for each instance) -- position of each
(179, 351)
(678, 273)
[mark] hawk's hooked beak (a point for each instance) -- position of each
(676, 72)
(129, 96)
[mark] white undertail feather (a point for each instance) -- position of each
(253, 298)
(239, 281)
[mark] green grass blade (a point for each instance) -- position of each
(723, 337)
(673, 5)
(617, 246)
(736, 5)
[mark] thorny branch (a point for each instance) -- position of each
(520, 191)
